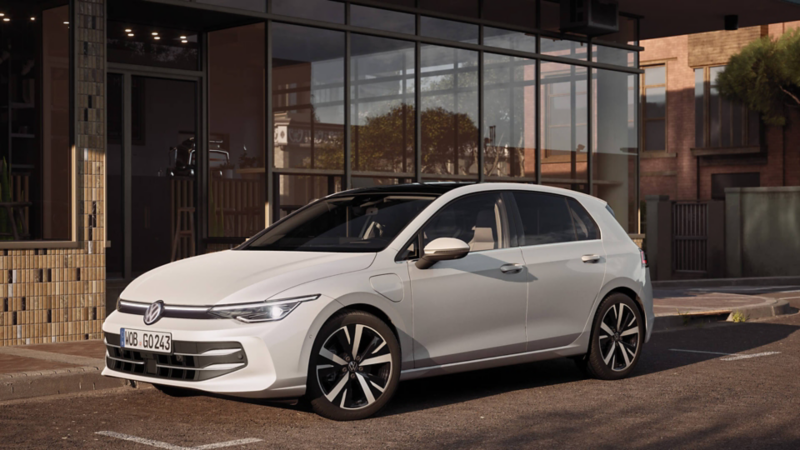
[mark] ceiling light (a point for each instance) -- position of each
(128, 30)
(183, 37)
(66, 23)
(155, 33)
(6, 19)
(130, 34)
(157, 38)
(33, 18)
(184, 41)
(2, 15)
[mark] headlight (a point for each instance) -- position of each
(266, 311)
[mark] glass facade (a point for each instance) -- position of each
(236, 131)
(398, 91)
(382, 105)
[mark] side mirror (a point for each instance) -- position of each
(442, 249)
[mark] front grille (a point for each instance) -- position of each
(190, 361)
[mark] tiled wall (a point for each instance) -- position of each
(57, 295)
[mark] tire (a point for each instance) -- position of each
(339, 386)
(173, 391)
(616, 342)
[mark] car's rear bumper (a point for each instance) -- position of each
(647, 303)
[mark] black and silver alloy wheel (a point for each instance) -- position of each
(359, 366)
(617, 337)
(354, 367)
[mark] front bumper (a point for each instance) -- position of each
(219, 356)
(190, 361)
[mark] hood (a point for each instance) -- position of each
(239, 276)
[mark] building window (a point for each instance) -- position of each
(308, 97)
(564, 131)
(35, 158)
(509, 119)
(654, 113)
(236, 139)
(720, 123)
(615, 136)
(145, 45)
(449, 112)
(382, 105)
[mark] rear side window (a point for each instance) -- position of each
(586, 228)
(546, 218)
(550, 219)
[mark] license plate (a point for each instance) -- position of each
(151, 341)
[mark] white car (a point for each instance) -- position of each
(355, 292)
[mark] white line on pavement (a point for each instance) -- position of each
(698, 351)
(733, 356)
(168, 446)
(229, 443)
(755, 355)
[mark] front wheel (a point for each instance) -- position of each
(354, 368)
(617, 337)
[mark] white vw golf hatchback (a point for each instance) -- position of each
(353, 293)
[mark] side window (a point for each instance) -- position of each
(479, 220)
(585, 227)
(546, 218)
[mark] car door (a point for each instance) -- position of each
(564, 256)
(473, 307)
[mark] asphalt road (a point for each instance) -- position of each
(674, 399)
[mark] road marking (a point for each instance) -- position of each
(168, 446)
(755, 355)
(733, 356)
(698, 351)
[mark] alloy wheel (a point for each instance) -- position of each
(619, 337)
(355, 366)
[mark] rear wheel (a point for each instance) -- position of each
(354, 367)
(617, 337)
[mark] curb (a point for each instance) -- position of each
(669, 323)
(723, 282)
(54, 382)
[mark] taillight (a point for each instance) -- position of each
(644, 257)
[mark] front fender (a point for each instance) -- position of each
(354, 291)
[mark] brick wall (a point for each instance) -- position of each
(716, 47)
(56, 295)
(676, 172)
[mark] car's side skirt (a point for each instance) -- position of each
(497, 361)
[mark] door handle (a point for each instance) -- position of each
(591, 259)
(511, 268)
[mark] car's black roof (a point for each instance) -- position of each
(414, 188)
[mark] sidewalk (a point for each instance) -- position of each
(676, 304)
(51, 369)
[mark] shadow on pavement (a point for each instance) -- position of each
(657, 357)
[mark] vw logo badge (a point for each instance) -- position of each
(154, 312)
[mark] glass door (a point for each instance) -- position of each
(152, 172)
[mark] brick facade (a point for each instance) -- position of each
(58, 295)
(678, 173)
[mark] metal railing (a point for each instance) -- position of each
(690, 237)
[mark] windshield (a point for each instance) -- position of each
(359, 223)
